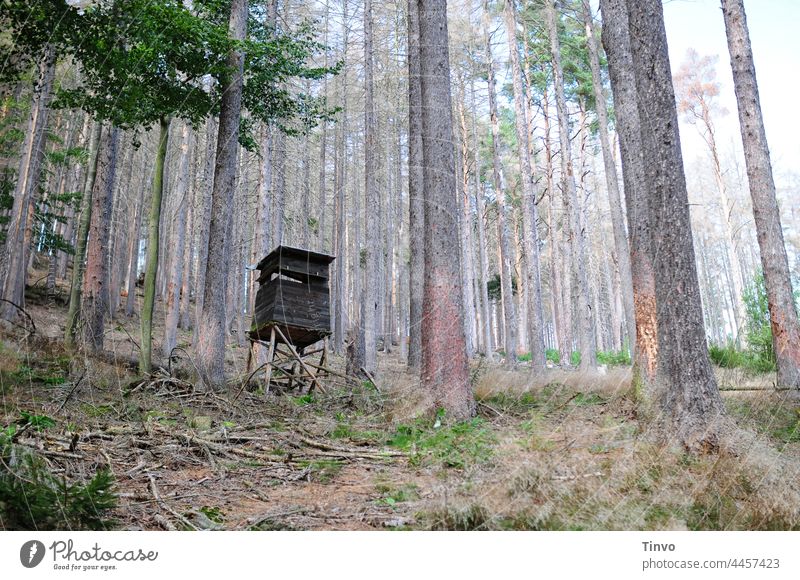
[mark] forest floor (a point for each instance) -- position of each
(562, 450)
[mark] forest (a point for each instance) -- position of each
(418, 265)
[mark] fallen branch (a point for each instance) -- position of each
(163, 504)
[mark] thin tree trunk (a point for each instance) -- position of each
(612, 181)
(416, 212)
(503, 235)
(372, 213)
(483, 257)
(586, 339)
(94, 300)
(179, 216)
(616, 40)
(152, 254)
(133, 251)
(76, 286)
(212, 323)
(774, 261)
(14, 259)
(530, 218)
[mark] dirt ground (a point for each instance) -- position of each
(560, 450)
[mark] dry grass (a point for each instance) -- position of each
(556, 450)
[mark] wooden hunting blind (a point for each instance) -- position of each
(292, 313)
(293, 297)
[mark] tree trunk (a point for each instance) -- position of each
(616, 40)
(372, 206)
(212, 323)
(179, 211)
(416, 211)
(444, 353)
(483, 257)
(687, 389)
(14, 262)
(612, 181)
(503, 235)
(94, 301)
(529, 210)
(774, 261)
(586, 339)
(76, 286)
(133, 252)
(152, 255)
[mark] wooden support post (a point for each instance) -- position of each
(314, 381)
(270, 358)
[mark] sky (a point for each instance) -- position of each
(775, 37)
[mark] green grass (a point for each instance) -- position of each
(455, 446)
(730, 357)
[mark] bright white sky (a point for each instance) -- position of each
(775, 36)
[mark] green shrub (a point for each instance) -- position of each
(613, 358)
(33, 498)
(758, 331)
(553, 355)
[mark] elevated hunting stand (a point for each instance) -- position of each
(292, 312)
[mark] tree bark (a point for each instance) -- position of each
(153, 250)
(416, 209)
(180, 209)
(687, 389)
(14, 262)
(372, 214)
(774, 261)
(76, 285)
(612, 181)
(94, 303)
(212, 324)
(444, 353)
(616, 40)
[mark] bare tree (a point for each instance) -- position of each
(782, 311)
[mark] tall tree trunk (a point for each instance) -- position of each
(586, 339)
(529, 210)
(774, 261)
(612, 181)
(616, 40)
(180, 209)
(212, 324)
(340, 289)
(416, 209)
(444, 354)
(94, 302)
(467, 244)
(76, 286)
(687, 389)
(133, 251)
(204, 227)
(483, 257)
(152, 255)
(372, 212)
(503, 235)
(14, 262)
